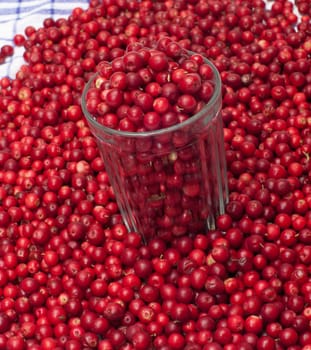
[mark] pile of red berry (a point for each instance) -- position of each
(71, 276)
(150, 89)
(166, 159)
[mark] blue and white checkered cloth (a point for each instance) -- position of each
(16, 15)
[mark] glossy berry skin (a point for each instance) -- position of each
(71, 275)
(157, 156)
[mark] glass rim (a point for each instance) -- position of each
(158, 132)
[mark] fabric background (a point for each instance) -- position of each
(16, 15)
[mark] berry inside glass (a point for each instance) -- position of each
(156, 115)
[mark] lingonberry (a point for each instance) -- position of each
(60, 225)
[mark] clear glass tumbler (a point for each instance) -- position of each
(172, 181)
